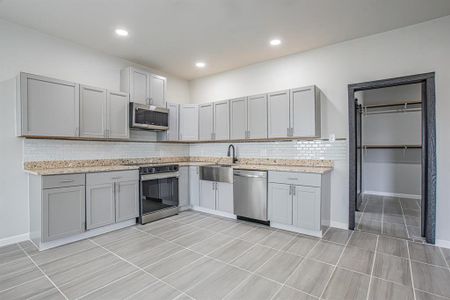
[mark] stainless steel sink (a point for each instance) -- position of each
(221, 173)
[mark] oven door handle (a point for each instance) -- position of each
(160, 176)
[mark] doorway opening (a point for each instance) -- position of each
(393, 157)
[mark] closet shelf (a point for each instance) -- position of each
(391, 147)
(407, 103)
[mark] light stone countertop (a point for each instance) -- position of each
(95, 169)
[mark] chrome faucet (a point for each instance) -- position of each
(234, 153)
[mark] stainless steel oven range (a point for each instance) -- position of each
(158, 192)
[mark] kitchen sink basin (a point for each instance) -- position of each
(220, 173)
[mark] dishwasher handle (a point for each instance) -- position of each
(249, 176)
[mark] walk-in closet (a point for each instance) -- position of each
(389, 161)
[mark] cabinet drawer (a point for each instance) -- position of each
(295, 178)
(55, 181)
(108, 177)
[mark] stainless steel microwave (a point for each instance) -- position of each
(148, 117)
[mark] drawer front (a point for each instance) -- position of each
(55, 181)
(108, 177)
(296, 178)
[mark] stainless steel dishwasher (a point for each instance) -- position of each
(250, 195)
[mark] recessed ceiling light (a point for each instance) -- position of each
(121, 32)
(275, 42)
(200, 64)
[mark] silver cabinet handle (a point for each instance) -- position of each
(293, 190)
(288, 130)
(118, 187)
(248, 176)
(290, 189)
(66, 180)
(114, 189)
(213, 186)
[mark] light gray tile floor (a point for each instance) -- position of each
(199, 256)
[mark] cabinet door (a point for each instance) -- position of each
(139, 86)
(221, 120)
(207, 194)
(127, 200)
(205, 122)
(306, 207)
(238, 116)
(63, 212)
(280, 203)
(157, 90)
(118, 107)
(194, 186)
(305, 112)
(278, 114)
(93, 117)
(49, 107)
(172, 133)
(100, 205)
(183, 187)
(224, 197)
(188, 122)
(257, 116)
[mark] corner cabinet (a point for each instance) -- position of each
(299, 202)
(188, 122)
(143, 86)
(47, 107)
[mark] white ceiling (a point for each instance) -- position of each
(171, 35)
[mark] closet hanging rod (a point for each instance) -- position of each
(392, 146)
(393, 105)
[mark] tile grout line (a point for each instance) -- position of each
(23, 283)
(411, 271)
(373, 267)
(404, 221)
(293, 271)
(337, 263)
(48, 278)
(254, 273)
(143, 270)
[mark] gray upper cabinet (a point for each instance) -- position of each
(172, 133)
(93, 112)
(127, 199)
(47, 107)
(305, 112)
(238, 119)
(157, 90)
(221, 120)
(206, 122)
(188, 122)
(143, 87)
(117, 115)
(278, 114)
(63, 212)
(257, 116)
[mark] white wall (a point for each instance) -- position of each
(411, 50)
(22, 49)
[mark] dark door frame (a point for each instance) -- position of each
(428, 146)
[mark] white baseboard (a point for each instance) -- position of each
(443, 243)
(317, 233)
(399, 195)
(214, 212)
(14, 239)
(339, 225)
(86, 234)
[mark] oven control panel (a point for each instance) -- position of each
(158, 169)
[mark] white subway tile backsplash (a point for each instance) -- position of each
(38, 150)
(288, 150)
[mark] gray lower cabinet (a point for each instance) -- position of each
(63, 212)
(194, 186)
(299, 200)
(47, 107)
(216, 196)
(208, 194)
(57, 207)
(183, 188)
(280, 203)
(111, 197)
